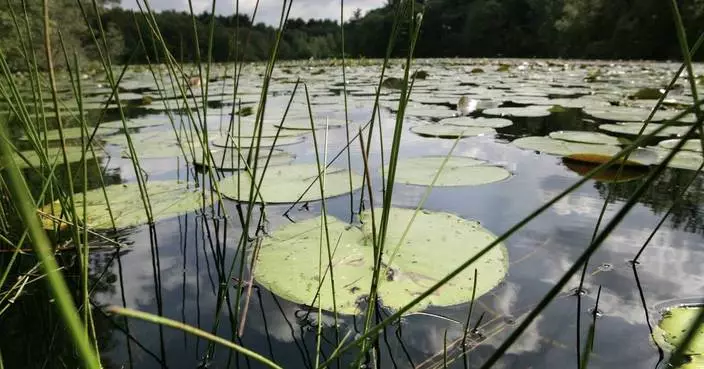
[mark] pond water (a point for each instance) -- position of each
(177, 268)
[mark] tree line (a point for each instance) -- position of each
(603, 29)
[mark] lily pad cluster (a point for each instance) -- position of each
(672, 329)
(434, 245)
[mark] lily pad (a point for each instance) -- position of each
(285, 184)
(612, 174)
(233, 159)
(246, 142)
(450, 131)
(72, 133)
(694, 144)
(632, 129)
(585, 137)
(674, 325)
(625, 114)
(30, 158)
(412, 270)
(304, 124)
(682, 160)
(564, 148)
(167, 199)
(526, 112)
(136, 123)
(477, 122)
(458, 171)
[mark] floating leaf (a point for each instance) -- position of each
(585, 137)
(30, 158)
(435, 244)
(526, 112)
(167, 199)
(72, 133)
(690, 145)
(632, 129)
(137, 123)
(612, 174)
(304, 124)
(450, 131)
(458, 171)
(246, 142)
(559, 147)
(477, 122)
(233, 159)
(285, 184)
(673, 327)
(625, 114)
(682, 160)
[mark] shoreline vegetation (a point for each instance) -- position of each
(568, 29)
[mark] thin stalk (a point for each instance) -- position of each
(192, 330)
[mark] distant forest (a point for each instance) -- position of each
(589, 29)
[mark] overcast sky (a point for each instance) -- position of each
(269, 10)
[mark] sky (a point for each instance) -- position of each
(269, 10)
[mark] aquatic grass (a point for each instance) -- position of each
(42, 247)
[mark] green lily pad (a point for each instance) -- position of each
(458, 171)
(477, 122)
(526, 112)
(304, 124)
(136, 123)
(285, 184)
(246, 142)
(673, 327)
(158, 151)
(30, 158)
(167, 199)
(428, 112)
(625, 114)
(632, 129)
(563, 148)
(233, 159)
(585, 137)
(689, 145)
(73, 133)
(688, 160)
(435, 244)
(450, 131)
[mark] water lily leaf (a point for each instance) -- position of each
(675, 324)
(625, 114)
(632, 129)
(682, 160)
(477, 122)
(411, 271)
(73, 133)
(458, 171)
(285, 184)
(246, 142)
(428, 112)
(304, 124)
(450, 131)
(233, 159)
(167, 199)
(526, 112)
(30, 158)
(137, 123)
(158, 151)
(585, 137)
(612, 174)
(690, 145)
(559, 147)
